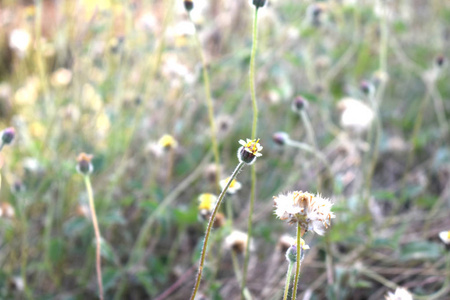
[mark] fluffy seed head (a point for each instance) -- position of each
(400, 294)
(313, 213)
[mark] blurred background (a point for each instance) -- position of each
(353, 103)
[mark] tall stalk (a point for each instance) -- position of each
(254, 130)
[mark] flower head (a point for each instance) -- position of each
(400, 294)
(356, 115)
(311, 212)
(206, 201)
(167, 142)
(188, 5)
(8, 135)
(249, 151)
(84, 165)
(291, 252)
(234, 185)
(445, 237)
(236, 241)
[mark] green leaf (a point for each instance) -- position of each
(420, 250)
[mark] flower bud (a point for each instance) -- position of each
(188, 5)
(367, 87)
(259, 3)
(8, 135)
(299, 104)
(291, 254)
(84, 165)
(280, 138)
(440, 61)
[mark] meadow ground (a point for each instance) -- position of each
(137, 108)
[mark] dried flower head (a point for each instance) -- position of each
(234, 185)
(445, 237)
(236, 241)
(8, 135)
(400, 294)
(311, 212)
(249, 151)
(84, 165)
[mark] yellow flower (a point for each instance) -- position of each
(234, 185)
(206, 201)
(167, 141)
(312, 212)
(250, 150)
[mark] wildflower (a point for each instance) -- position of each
(211, 172)
(291, 252)
(8, 135)
(299, 104)
(280, 138)
(188, 5)
(19, 41)
(311, 212)
(400, 294)
(167, 142)
(445, 237)
(440, 61)
(356, 116)
(219, 221)
(367, 87)
(259, 3)
(249, 151)
(206, 201)
(7, 210)
(61, 77)
(234, 185)
(84, 165)
(236, 241)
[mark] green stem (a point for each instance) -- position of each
(297, 269)
(87, 182)
(234, 258)
(254, 128)
(208, 229)
(209, 103)
(252, 74)
(288, 280)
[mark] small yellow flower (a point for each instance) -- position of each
(250, 150)
(206, 201)
(234, 185)
(312, 212)
(167, 141)
(445, 236)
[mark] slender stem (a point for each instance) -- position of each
(297, 269)
(87, 181)
(254, 129)
(209, 103)
(252, 74)
(237, 272)
(288, 280)
(208, 229)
